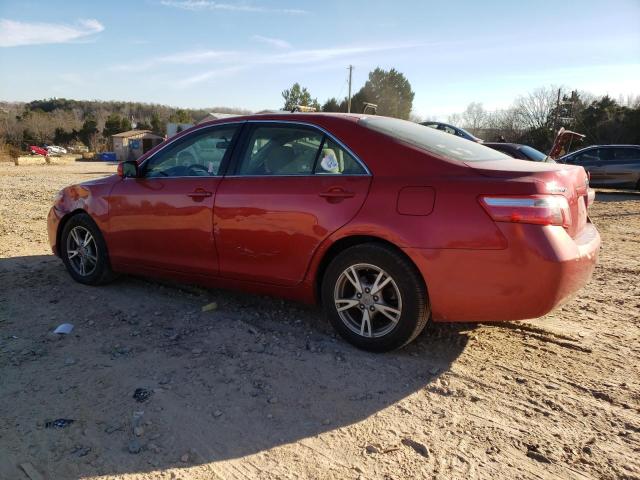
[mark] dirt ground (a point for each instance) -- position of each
(261, 388)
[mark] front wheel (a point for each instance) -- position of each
(374, 297)
(84, 252)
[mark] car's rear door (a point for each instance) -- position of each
(291, 186)
(623, 167)
(164, 218)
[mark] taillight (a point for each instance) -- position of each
(535, 209)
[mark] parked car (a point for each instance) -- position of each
(35, 150)
(384, 222)
(616, 166)
(55, 150)
(445, 127)
(516, 150)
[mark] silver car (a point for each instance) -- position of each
(613, 166)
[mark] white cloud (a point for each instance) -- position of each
(274, 42)
(14, 33)
(181, 58)
(311, 57)
(198, 5)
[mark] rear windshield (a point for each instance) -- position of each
(431, 140)
(533, 154)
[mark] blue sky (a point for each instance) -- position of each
(243, 53)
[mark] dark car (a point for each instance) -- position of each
(459, 132)
(615, 166)
(516, 150)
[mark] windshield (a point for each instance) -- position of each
(431, 140)
(533, 154)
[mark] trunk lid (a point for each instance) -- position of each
(570, 181)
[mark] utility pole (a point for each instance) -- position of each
(555, 118)
(349, 97)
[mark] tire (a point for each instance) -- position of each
(397, 313)
(94, 256)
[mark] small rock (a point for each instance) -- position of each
(587, 449)
(196, 351)
(184, 458)
(419, 448)
(138, 431)
(326, 421)
(273, 400)
(217, 413)
(521, 380)
(141, 394)
(371, 449)
(134, 446)
(69, 361)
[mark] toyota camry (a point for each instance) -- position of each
(384, 222)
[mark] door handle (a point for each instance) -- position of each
(199, 193)
(337, 193)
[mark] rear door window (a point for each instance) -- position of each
(335, 160)
(280, 150)
(626, 155)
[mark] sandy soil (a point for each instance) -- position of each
(261, 388)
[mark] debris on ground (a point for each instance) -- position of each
(142, 395)
(64, 329)
(59, 423)
(210, 307)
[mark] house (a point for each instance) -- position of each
(132, 144)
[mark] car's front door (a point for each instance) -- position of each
(592, 163)
(291, 187)
(164, 218)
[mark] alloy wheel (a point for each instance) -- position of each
(368, 300)
(82, 251)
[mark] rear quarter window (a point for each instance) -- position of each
(432, 140)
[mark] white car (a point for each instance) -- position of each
(55, 150)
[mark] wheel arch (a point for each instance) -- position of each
(63, 222)
(342, 244)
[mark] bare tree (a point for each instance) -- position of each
(535, 109)
(454, 119)
(474, 117)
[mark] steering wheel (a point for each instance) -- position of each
(196, 168)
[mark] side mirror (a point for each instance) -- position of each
(128, 169)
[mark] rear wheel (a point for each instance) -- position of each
(374, 297)
(84, 251)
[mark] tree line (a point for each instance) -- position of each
(60, 121)
(532, 119)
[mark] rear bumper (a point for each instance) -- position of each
(53, 221)
(541, 268)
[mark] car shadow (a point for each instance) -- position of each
(225, 381)
(616, 195)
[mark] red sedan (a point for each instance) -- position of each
(385, 222)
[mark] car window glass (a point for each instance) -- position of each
(605, 155)
(334, 160)
(590, 156)
(280, 150)
(627, 154)
(430, 140)
(196, 155)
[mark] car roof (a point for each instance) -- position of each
(615, 145)
(504, 144)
